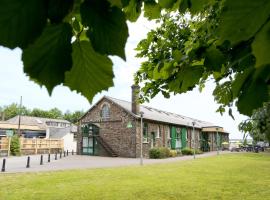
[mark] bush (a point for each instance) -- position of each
(198, 151)
(15, 149)
(161, 152)
(173, 153)
(187, 151)
(154, 153)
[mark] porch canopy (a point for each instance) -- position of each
(214, 129)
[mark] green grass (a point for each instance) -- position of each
(232, 176)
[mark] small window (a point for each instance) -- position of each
(168, 133)
(105, 112)
(158, 132)
(145, 132)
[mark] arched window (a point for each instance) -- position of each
(105, 111)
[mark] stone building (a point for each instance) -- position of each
(112, 127)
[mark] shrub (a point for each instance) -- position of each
(198, 151)
(179, 153)
(154, 153)
(15, 149)
(161, 152)
(173, 153)
(187, 151)
(165, 152)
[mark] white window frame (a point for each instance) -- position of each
(103, 113)
(158, 132)
(168, 133)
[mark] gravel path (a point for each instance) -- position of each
(18, 164)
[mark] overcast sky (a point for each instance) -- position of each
(14, 83)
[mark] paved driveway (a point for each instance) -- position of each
(18, 164)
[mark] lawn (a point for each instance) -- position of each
(231, 176)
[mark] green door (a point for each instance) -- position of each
(173, 137)
(204, 142)
(88, 146)
(184, 137)
(89, 142)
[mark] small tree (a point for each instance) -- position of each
(15, 146)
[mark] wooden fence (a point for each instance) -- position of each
(33, 146)
(4, 146)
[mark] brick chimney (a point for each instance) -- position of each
(135, 106)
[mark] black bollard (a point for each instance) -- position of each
(49, 157)
(72, 152)
(41, 159)
(3, 165)
(28, 162)
(64, 153)
(60, 154)
(55, 156)
(67, 152)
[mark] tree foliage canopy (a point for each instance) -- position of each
(14, 109)
(221, 40)
(258, 125)
(69, 42)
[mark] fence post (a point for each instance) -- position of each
(3, 165)
(49, 157)
(49, 145)
(72, 152)
(55, 156)
(64, 153)
(9, 142)
(28, 162)
(67, 152)
(36, 147)
(41, 159)
(60, 154)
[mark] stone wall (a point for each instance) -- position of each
(164, 139)
(126, 142)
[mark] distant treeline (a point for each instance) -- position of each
(14, 109)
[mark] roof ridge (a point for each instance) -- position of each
(34, 117)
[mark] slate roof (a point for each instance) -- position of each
(37, 121)
(162, 116)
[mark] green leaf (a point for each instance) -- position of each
(76, 25)
(241, 19)
(58, 9)
(21, 22)
(117, 3)
(231, 113)
(108, 30)
(166, 3)
(223, 93)
(199, 5)
(125, 3)
(214, 59)
(152, 10)
(255, 92)
(184, 5)
(177, 55)
(133, 10)
(186, 79)
(47, 60)
(91, 72)
(261, 46)
(240, 80)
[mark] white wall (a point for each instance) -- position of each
(69, 142)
